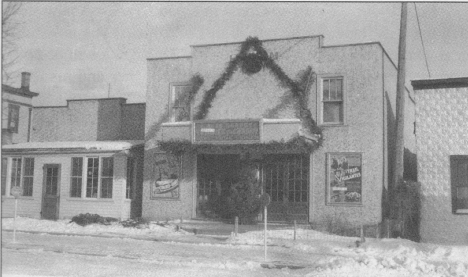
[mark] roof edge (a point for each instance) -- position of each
(169, 58)
(19, 91)
(440, 83)
(263, 40)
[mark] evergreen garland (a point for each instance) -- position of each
(295, 145)
(249, 63)
(196, 81)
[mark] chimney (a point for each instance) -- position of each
(25, 78)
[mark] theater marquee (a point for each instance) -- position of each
(232, 131)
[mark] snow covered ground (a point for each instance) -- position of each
(163, 250)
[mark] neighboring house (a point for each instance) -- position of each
(16, 111)
(442, 148)
(85, 157)
(351, 95)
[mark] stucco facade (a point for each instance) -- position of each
(441, 133)
(369, 84)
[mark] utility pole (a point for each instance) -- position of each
(400, 106)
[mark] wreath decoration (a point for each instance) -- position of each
(252, 63)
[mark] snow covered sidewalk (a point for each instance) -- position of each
(314, 253)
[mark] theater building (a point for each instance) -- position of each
(314, 122)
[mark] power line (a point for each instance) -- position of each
(422, 41)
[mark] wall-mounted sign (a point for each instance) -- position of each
(227, 131)
(16, 191)
(166, 175)
(344, 182)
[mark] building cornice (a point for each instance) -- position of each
(440, 83)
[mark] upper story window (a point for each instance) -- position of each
(459, 182)
(332, 100)
(13, 117)
(180, 102)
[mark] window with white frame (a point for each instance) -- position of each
(332, 100)
(21, 171)
(107, 177)
(4, 174)
(92, 176)
(180, 102)
(13, 117)
(459, 183)
(28, 176)
(76, 177)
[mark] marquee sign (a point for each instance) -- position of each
(227, 131)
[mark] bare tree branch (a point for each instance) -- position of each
(9, 38)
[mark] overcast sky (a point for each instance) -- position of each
(75, 50)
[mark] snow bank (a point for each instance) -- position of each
(65, 226)
(400, 256)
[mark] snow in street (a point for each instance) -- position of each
(163, 251)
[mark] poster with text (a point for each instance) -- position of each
(344, 182)
(166, 175)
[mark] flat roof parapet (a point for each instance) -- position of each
(440, 83)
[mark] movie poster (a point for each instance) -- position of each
(166, 175)
(344, 178)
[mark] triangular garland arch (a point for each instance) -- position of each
(261, 56)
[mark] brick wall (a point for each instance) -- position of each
(89, 120)
(442, 124)
(133, 122)
(78, 121)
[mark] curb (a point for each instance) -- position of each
(211, 239)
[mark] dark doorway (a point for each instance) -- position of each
(51, 191)
(216, 173)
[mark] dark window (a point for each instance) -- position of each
(76, 177)
(107, 176)
(28, 176)
(15, 172)
(286, 177)
(92, 177)
(180, 101)
(4, 174)
(332, 100)
(459, 181)
(13, 117)
(52, 178)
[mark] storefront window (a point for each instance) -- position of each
(344, 182)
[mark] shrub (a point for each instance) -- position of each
(86, 219)
(241, 200)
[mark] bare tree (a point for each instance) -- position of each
(9, 39)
